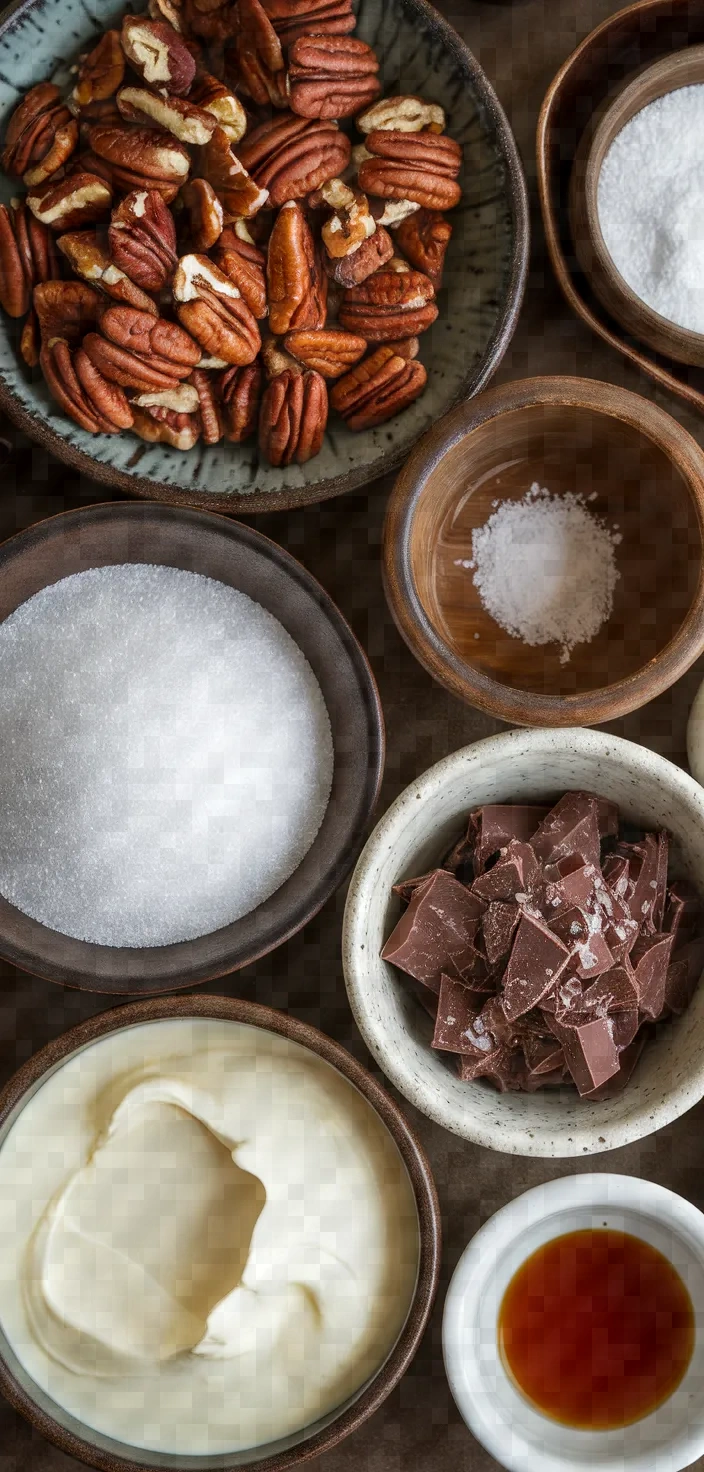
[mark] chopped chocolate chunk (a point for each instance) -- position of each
(644, 860)
(612, 995)
(569, 882)
(649, 960)
(626, 1064)
(498, 927)
(439, 926)
(590, 1053)
(583, 933)
(537, 960)
(457, 1012)
(407, 887)
(517, 871)
(570, 828)
(621, 931)
(496, 824)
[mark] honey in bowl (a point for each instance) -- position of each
(596, 1329)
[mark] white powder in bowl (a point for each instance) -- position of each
(545, 569)
(166, 755)
(650, 201)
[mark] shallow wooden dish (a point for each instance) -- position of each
(682, 69)
(479, 301)
(237, 555)
(99, 1451)
(635, 37)
(569, 434)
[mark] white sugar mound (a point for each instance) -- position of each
(166, 756)
(545, 569)
(650, 201)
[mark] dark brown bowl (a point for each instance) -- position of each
(198, 541)
(109, 1456)
(568, 434)
(479, 301)
(633, 38)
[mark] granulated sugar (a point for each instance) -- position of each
(650, 202)
(545, 569)
(166, 755)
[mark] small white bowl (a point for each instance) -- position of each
(525, 766)
(519, 1437)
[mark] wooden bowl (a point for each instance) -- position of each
(99, 1451)
(244, 559)
(682, 69)
(479, 302)
(569, 434)
(632, 38)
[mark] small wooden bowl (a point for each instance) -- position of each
(198, 541)
(681, 69)
(77, 1440)
(569, 434)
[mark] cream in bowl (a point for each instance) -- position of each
(210, 1238)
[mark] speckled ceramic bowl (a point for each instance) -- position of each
(522, 766)
(479, 302)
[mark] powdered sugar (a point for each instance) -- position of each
(545, 569)
(651, 205)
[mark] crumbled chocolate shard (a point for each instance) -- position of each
(516, 872)
(498, 929)
(649, 960)
(537, 960)
(439, 926)
(495, 824)
(591, 1053)
(570, 829)
(456, 1014)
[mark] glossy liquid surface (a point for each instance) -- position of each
(596, 1329)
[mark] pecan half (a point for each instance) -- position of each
(292, 274)
(158, 54)
(292, 156)
(377, 389)
(87, 255)
(243, 263)
(403, 115)
(211, 425)
(205, 214)
(167, 10)
(79, 199)
(140, 352)
(257, 55)
(176, 115)
(293, 418)
(27, 256)
(141, 158)
(30, 340)
(328, 351)
(332, 76)
(214, 20)
(389, 305)
(142, 238)
(181, 399)
(391, 212)
(239, 195)
(240, 392)
(352, 270)
(424, 238)
(100, 73)
(41, 136)
(418, 166)
(166, 427)
(81, 391)
(276, 360)
(294, 18)
(214, 97)
(65, 309)
(212, 310)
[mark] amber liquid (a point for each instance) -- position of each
(596, 1329)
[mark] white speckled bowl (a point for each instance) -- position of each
(523, 766)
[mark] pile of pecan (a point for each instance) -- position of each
(202, 249)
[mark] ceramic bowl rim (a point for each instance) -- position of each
(515, 705)
(410, 1149)
(40, 431)
(513, 1139)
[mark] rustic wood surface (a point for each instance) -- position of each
(521, 45)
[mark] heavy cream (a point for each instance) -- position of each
(208, 1238)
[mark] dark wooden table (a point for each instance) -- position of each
(521, 46)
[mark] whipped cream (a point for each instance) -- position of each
(208, 1238)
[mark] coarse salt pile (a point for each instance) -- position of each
(650, 202)
(167, 756)
(545, 569)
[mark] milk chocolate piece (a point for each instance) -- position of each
(621, 931)
(644, 865)
(582, 932)
(649, 960)
(537, 960)
(406, 888)
(571, 828)
(569, 882)
(615, 996)
(498, 928)
(457, 1011)
(496, 824)
(591, 1053)
(615, 872)
(626, 1064)
(517, 871)
(439, 926)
